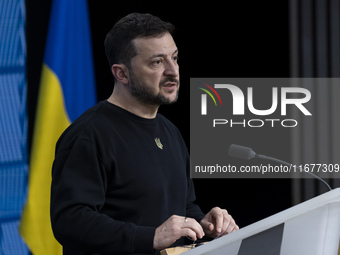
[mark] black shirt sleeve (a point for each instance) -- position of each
(78, 193)
(192, 209)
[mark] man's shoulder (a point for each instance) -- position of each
(169, 125)
(86, 126)
(90, 116)
(164, 120)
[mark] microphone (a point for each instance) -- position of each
(238, 151)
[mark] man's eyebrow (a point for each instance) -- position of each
(162, 55)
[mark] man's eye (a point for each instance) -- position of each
(157, 62)
(176, 58)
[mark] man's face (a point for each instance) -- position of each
(154, 74)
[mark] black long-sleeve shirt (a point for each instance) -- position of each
(116, 177)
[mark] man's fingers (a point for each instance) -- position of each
(211, 226)
(236, 228)
(230, 225)
(218, 222)
(226, 222)
(218, 215)
(174, 228)
(189, 233)
(194, 226)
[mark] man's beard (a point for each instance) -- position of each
(146, 94)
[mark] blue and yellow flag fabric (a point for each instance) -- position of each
(67, 89)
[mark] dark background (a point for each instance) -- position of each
(215, 39)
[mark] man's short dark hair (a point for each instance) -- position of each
(118, 44)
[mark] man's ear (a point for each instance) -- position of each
(121, 73)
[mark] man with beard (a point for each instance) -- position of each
(120, 180)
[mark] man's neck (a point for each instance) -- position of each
(133, 105)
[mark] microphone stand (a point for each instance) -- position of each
(287, 164)
(247, 153)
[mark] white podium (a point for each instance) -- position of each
(310, 228)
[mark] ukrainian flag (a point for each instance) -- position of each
(67, 89)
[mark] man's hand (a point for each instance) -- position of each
(173, 229)
(218, 222)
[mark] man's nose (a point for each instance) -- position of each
(171, 69)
